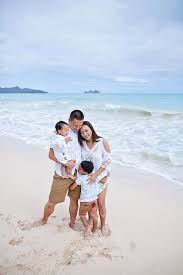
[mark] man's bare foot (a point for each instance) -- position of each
(39, 223)
(72, 224)
(106, 230)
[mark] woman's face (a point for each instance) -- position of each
(86, 132)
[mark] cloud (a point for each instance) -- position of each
(129, 41)
(129, 79)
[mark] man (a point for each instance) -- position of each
(61, 185)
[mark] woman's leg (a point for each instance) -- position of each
(102, 208)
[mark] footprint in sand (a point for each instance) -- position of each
(24, 225)
(16, 241)
(83, 250)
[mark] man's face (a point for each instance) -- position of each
(75, 124)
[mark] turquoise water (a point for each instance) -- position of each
(144, 131)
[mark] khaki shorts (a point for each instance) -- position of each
(88, 207)
(59, 189)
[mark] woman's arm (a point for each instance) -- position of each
(106, 162)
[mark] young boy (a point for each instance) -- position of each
(88, 196)
(59, 142)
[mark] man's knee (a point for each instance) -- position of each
(50, 205)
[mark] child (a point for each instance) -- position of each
(59, 142)
(88, 196)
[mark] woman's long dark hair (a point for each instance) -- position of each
(95, 137)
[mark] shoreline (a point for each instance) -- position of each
(147, 170)
(144, 212)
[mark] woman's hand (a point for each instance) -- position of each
(92, 177)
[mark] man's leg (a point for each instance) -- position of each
(74, 196)
(73, 209)
(48, 210)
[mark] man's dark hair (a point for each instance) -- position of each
(59, 125)
(76, 114)
(87, 166)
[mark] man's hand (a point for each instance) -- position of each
(52, 155)
(70, 164)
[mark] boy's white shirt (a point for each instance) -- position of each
(73, 150)
(89, 192)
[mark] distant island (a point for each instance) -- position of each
(92, 92)
(18, 90)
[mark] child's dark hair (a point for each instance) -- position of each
(59, 125)
(87, 166)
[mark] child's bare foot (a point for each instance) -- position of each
(93, 230)
(87, 232)
(89, 221)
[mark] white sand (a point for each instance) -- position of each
(145, 214)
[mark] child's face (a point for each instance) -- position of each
(64, 131)
(81, 171)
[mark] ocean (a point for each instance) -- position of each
(143, 130)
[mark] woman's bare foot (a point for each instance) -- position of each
(105, 230)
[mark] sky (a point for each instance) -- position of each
(109, 45)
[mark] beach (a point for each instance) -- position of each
(144, 213)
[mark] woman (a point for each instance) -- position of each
(97, 150)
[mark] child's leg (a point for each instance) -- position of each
(63, 171)
(70, 175)
(94, 216)
(83, 210)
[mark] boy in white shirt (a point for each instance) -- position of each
(59, 143)
(88, 196)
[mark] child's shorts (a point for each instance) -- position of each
(88, 207)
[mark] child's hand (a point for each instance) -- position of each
(67, 139)
(92, 177)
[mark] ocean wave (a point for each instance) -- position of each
(133, 111)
